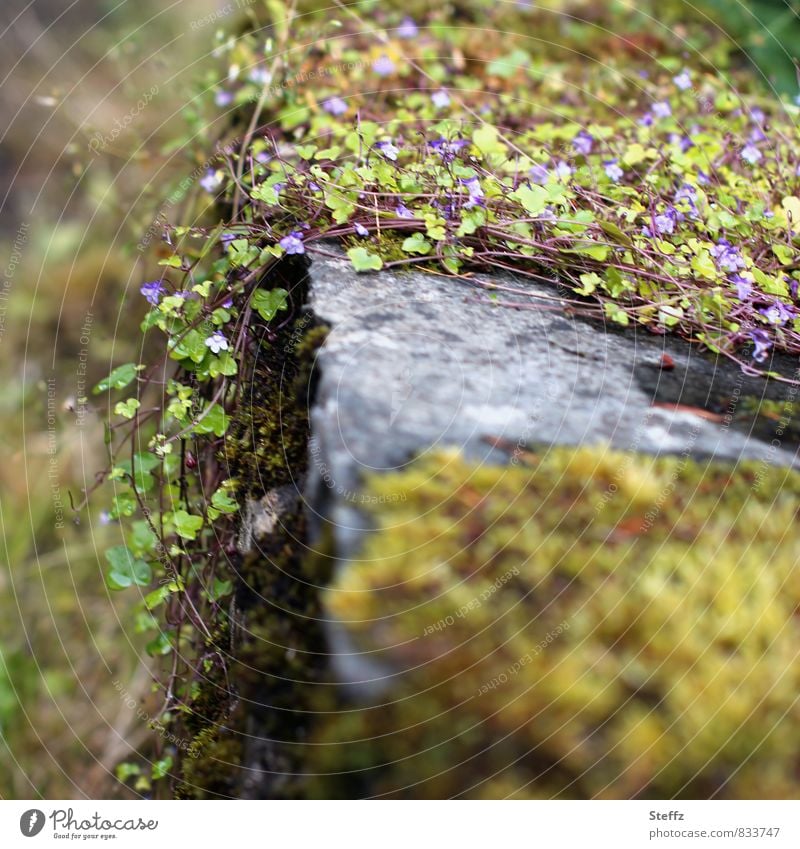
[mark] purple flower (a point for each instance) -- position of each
(227, 304)
(407, 29)
(212, 181)
(547, 216)
(683, 80)
(217, 342)
(744, 287)
(727, 257)
(613, 171)
(388, 149)
(684, 142)
(335, 106)
(539, 174)
(259, 76)
(293, 243)
(475, 192)
(403, 211)
(757, 135)
(223, 98)
(562, 170)
(757, 115)
(762, 344)
(664, 223)
(383, 66)
(440, 99)
(778, 313)
(263, 157)
(646, 120)
(361, 230)
(448, 149)
(751, 154)
(226, 239)
(662, 109)
(583, 143)
(152, 292)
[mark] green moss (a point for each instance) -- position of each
(250, 715)
(593, 624)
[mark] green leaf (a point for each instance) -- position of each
(186, 525)
(219, 590)
(126, 571)
(363, 260)
(222, 501)
(486, 139)
(269, 302)
(213, 421)
(127, 409)
(159, 646)
(533, 198)
(118, 379)
(161, 767)
(416, 244)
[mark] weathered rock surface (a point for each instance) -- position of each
(418, 361)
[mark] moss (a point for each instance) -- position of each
(594, 624)
(247, 721)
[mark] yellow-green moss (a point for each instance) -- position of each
(590, 624)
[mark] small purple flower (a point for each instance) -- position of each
(293, 243)
(475, 192)
(687, 195)
(727, 257)
(684, 142)
(335, 106)
(539, 174)
(448, 149)
(263, 157)
(664, 223)
(152, 292)
(583, 143)
(613, 171)
(407, 29)
(212, 181)
(662, 109)
(646, 120)
(744, 288)
(403, 211)
(227, 304)
(226, 239)
(388, 149)
(361, 230)
(217, 342)
(562, 170)
(757, 115)
(223, 98)
(547, 216)
(751, 154)
(683, 80)
(762, 344)
(778, 313)
(260, 76)
(757, 135)
(383, 66)
(440, 99)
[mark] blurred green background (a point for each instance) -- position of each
(85, 171)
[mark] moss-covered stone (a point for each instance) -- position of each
(590, 624)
